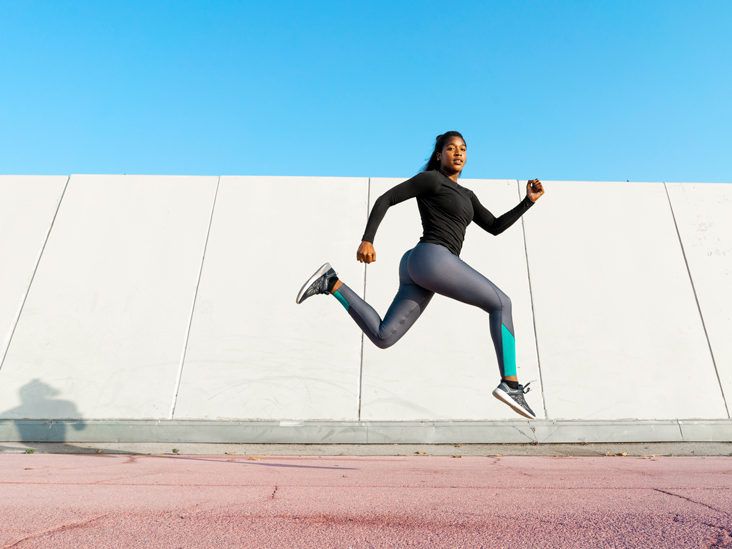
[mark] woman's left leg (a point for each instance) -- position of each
(406, 307)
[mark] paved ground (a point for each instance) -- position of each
(605, 449)
(198, 500)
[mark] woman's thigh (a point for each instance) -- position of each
(408, 304)
(411, 298)
(435, 268)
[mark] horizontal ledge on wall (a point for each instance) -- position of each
(365, 432)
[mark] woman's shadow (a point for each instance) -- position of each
(37, 400)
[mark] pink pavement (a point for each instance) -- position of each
(61, 500)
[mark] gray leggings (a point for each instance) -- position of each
(425, 270)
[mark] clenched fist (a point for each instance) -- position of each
(366, 252)
(534, 189)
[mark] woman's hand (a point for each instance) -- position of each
(534, 189)
(366, 252)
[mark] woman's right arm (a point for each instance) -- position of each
(422, 183)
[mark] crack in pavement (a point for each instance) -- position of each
(67, 526)
(87, 522)
(692, 501)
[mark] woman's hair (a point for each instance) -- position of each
(440, 140)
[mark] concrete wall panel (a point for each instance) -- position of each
(618, 330)
(27, 206)
(445, 367)
(102, 335)
(252, 351)
(704, 218)
(102, 331)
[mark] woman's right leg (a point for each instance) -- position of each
(407, 305)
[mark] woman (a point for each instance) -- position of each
(434, 265)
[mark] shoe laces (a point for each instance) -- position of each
(525, 388)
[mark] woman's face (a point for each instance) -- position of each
(454, 155)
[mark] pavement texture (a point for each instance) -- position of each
(198, 500)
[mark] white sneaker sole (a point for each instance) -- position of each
(503, 397)
(320, 272)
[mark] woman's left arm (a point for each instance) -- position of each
(496, 225)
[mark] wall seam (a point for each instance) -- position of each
(696, 298)
(360, 368)
(33, 275)
(533, 312)
(193, 305)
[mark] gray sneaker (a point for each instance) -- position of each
(515, 398)
(319, 283)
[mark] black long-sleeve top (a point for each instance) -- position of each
(446, 209)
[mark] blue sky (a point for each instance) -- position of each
(589, 90)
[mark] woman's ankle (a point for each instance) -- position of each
(511, 381)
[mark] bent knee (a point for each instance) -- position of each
(386, 341)
(503, 305)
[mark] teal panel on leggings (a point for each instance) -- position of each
(509, 352)
(342, 299)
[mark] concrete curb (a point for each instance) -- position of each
(365, 432)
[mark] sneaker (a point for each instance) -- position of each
(317, 284)
(515, 398)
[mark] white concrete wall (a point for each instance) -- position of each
(27, 207)
(619, 333)
(102, 331)
(704, 217)
(173, 298)
(252, 351)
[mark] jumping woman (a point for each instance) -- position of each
(433, 265)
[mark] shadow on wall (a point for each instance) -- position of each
(37, 401)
